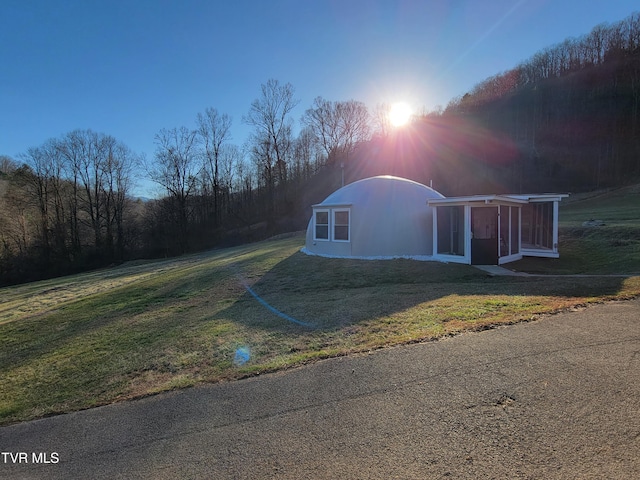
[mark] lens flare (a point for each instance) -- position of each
(399, 114)
(242, 356)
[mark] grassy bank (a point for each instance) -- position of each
(86, 340)
(610, 248)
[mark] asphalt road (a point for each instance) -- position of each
(554, 398)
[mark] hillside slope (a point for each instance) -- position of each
(85, 340)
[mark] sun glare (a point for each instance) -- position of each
(399, 114)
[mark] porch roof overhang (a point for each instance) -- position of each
(540, 197)
(331, 205)
(478, 200)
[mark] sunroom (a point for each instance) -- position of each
(495, 229)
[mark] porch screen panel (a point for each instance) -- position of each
(515, 220)
(451, 230)
(537, 225)
(505, 217)
(547, 241)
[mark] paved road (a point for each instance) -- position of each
(554, 398)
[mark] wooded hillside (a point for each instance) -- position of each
(568, 119)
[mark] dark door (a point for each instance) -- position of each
(484, 236)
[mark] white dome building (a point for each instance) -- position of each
(388, 217)
(376, 217)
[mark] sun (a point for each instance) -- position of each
(399, 114)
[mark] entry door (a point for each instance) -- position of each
(484, 236)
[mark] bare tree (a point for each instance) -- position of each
(213, 131)
(230, 156)
(244, 179)
(271, 140)
(70, 192)
(306, 153)
(339, 126)
(7, 165)
(15, 211)
(176, 169)
(322, 119)
(86, 153)
(355, 128)
(381, 121)
(118, 180)
(39, 179)
(59, 198)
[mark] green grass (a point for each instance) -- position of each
(616, 207)
(92, 339)
(613, 248)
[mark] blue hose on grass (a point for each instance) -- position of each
(275, 310)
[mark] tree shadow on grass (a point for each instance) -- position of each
(305, 292)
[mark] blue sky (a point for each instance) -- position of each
(130, 68)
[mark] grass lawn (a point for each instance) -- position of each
(613, 248)
(141, 328)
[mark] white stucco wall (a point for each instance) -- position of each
(389, 217)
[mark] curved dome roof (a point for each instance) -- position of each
(389, 217)
(384, 188)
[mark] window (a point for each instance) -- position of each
(321, 225)
(341, 225)
(332, 224)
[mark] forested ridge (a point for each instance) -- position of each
(572, 110)
(567, 119)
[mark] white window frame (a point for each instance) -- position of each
(315, 231)
(334, 224)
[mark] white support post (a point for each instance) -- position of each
(499, 230)
(556, 211)
(520, 230)
(467, 233)
(434, 232)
